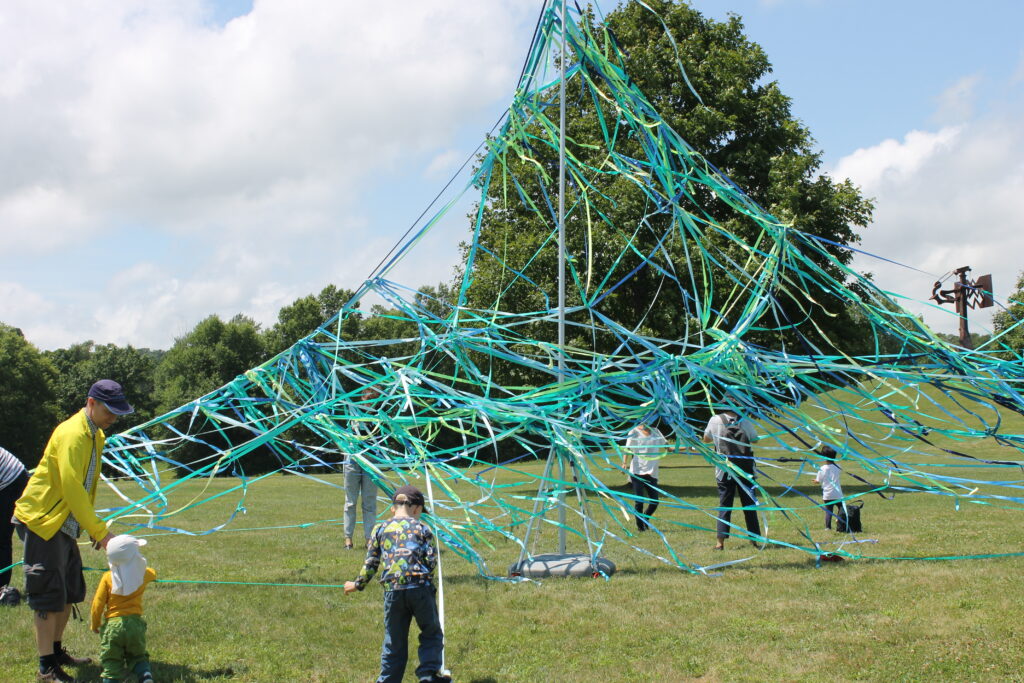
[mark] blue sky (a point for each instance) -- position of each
(172, 160)
(861, 71)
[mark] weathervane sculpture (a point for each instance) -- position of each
(965, 294)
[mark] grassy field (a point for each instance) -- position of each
(776, 616)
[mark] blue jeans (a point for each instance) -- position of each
(359, 484)
(400, 606)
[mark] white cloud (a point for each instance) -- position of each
(445, 164)
(245, 154)
(944, 200)
(892, 161)
(171, 118)
(956, 103)
(17, 301)
(39, 218)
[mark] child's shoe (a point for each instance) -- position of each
(141, 671)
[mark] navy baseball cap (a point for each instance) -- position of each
(110, 393)
(407, 494)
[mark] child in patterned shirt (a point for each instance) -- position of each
(405, 547)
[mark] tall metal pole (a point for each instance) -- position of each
(561, 261)
(598, 565)
(962, 291)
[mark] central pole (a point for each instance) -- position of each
(561, 564)
(962, 290)
(561, 262)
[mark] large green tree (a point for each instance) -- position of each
(1007, 323)
(742, 124)
(28, 409)
(410, 330)
(211, 355)
(79, 365)
(306, 314)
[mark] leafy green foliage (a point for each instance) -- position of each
(307, 313)
(79, 365)
(1007, 323)
(28, 409)
(742, 124)
(977, 339)
(211, 355)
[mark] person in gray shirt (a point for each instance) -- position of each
(732, 436)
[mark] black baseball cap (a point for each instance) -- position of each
(407, 495)
(110, 394)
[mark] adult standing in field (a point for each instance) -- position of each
(13, 477)
(358, 482)
(58, 503)
(732, 437)
(646, 445)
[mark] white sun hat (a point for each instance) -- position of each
(127, 565)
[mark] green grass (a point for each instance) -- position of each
(775, 617)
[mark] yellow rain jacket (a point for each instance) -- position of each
(58, 487)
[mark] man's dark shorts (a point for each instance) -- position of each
(53, 571)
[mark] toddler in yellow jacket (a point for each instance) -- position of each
(117, 607)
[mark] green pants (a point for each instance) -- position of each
(123, 646)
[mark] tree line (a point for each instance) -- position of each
(41, 388)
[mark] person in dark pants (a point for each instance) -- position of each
(831, 490)
(732, 437)
(13, 477)
(646, 445)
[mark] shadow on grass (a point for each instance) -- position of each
(809, 563)
(462, 579)
(701, 466)
(711, 490)
(166, 672)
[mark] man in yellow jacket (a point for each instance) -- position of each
(58, 503)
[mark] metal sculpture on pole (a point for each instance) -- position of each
(965, 294)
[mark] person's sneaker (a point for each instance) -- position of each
(55, 673)
(146, 678)
(438, 678)
(65, 658)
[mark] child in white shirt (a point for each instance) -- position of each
(647, 446)
(828, 477)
